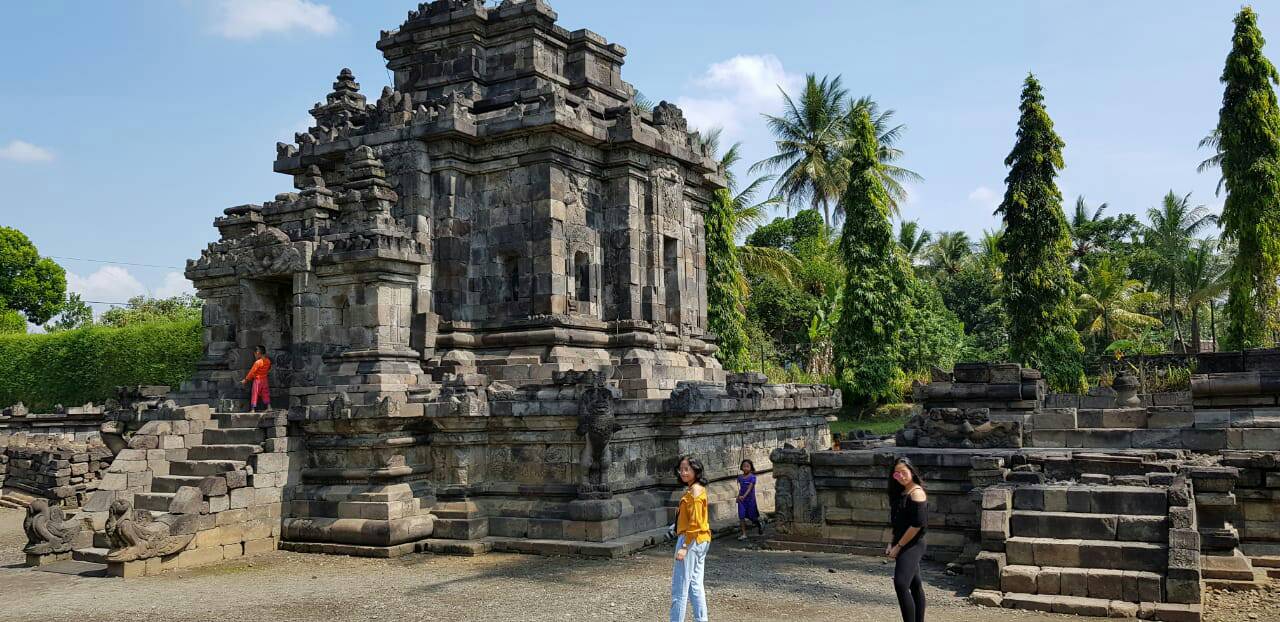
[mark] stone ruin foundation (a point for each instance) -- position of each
(1109, 504)
(485, 301)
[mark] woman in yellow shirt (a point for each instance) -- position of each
(694, 538)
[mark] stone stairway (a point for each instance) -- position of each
(226, 445)
(225, 448)
(1087, 550)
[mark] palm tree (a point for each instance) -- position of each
(913, 240)
(988, 253)
(1081, 226)
(809, 137)
(891, 176)
(1112, 302)
(1203, 280)
(1167, 241)
(948, 253)
(749, 213)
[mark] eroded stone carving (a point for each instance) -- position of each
(135, 535)
(597, 424)
(48, 530)
(959, 428)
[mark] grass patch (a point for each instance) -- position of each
(874, 426)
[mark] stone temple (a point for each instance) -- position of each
(485, 300)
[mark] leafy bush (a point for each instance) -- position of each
(86, 364)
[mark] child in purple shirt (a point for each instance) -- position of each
(747, 510)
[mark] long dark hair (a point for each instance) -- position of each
(895, 489)
(695, 465)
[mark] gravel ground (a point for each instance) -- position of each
(744, 583)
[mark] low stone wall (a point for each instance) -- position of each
(1257, 495)
(62, 471)
(837, 500)
(77, 423)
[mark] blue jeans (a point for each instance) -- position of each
(686, 582)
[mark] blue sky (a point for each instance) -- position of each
(132, 124)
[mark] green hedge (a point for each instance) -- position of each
(86, 364)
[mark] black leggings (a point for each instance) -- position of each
(906, 582)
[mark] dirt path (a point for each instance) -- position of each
(744, 583)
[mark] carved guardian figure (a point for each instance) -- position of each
(48, 530)
(596, 422)
(135, 535)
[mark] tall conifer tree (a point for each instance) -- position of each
(1036, 243)
(725, 317)
(1248, 136)
(867, 350)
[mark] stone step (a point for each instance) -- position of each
(1100, 608)
(1107, 584)
(1087, 553)
(1227, 567)
(242, 420)
(1259, 580)
(234, 436)
(204, 467)
(1084, 525)
(1131, 500)
(171, 483)
(1266, 561)
(222, 452)
(94, 555)
(154, 501)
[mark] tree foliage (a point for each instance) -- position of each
(30, 284)
(1038, 289)
(1247, 140)
(725, 315)
(872, 315)
(141, 309)
(76, 313)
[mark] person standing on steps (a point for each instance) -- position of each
(258, 374)
(693, 537)
(909, 513)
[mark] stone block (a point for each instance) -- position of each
(1021, 551)
(219, 503)
(996, 498)
(1124, 418)
(994, 525)
(1171, 420)
(1048, 581)
(236, 479)
(187, 500)
(1073, 581)
(1055, 419)
(242, 498)
(1058, 553)
(1142, 529)
(257, 547)
(1177, 590)
(1075, 605)
(986, 598)
(988, 570)
(196, 557)
(1205, 440)
(1107, 584)
(1122, 610)
(1021, 579)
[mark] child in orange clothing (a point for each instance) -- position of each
(258, 374)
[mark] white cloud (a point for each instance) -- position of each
(733, 93)
(22, 151)
(106, 284)
(984, 197)
(118, 285)
(174, 285)
(246, 19)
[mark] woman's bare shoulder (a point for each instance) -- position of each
(698, 489)
(918, 495)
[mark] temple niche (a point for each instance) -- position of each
(499, 240)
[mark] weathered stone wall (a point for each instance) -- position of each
(75, 423)
(64, 472)
(1258, 497)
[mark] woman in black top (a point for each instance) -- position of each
(909, 513)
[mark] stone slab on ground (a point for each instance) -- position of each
(77, 568)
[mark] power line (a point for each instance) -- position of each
(121, 263)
